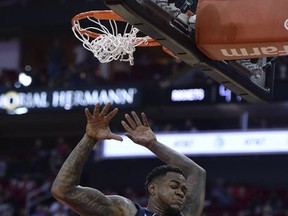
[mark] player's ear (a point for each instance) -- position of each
(152, 188)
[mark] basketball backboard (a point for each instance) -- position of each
(174, 33)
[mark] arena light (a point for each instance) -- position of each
(18, 111)
(24, 79)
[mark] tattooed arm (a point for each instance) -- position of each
(66, 188)
(195, 175)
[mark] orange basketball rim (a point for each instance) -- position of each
(86, 34)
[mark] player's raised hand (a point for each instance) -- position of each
(98, 123)
(137, 131)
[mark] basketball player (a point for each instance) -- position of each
(174, 189)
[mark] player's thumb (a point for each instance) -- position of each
(116, 137)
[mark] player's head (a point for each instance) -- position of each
(166, 186)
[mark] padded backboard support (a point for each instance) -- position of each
(154, 21)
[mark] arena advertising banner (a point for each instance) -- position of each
(15, 102)
(205, 144)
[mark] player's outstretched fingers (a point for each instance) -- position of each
(88, 114)
(136, 118)
(96, 109)
(145, 120)
(112, 114)
(126, 127)
(132, 124)
(105, 109)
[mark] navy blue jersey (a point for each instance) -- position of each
(145, 212)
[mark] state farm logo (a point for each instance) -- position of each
(286, 24)
(255, 51)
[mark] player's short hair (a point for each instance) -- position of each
(159, 172)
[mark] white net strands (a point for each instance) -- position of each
(110, 44)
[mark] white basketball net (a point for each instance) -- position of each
(112, 45)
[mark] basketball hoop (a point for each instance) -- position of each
(109, 42)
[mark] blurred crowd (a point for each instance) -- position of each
(26, 176)
(72, 67)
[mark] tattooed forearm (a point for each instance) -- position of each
(88, 200)
(70, 173)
